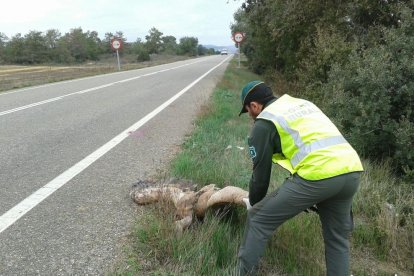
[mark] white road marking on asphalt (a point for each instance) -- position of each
(15, 213)
(74, 80)
(89, 90)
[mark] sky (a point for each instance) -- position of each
(208, 20)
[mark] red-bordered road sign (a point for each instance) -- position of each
(116, 44)
(238, 37)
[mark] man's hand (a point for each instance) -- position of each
(247, 203)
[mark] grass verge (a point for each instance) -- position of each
(382, 242)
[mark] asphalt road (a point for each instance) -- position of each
(70, 151)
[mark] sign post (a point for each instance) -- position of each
(238, 38)
(116, 44)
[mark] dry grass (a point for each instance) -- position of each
(16, 76)
(23, 76)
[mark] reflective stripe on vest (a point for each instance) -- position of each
(304, 150)
(312, 146)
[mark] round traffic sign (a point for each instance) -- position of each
(116, 44)
(238, 37)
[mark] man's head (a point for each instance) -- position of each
(254, 96)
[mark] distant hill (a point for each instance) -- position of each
(230, 48)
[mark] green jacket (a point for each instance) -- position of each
(264, 141)
(316, 155)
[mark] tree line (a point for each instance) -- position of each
(78, 46)
(353, 58)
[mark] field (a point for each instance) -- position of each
(18, 76)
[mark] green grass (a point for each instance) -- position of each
(381, 244)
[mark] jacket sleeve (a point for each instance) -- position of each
(263, 142)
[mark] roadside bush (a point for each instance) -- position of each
(361, 102)
(326, 48)
(143, 55)
(354, 59)
(371, 97)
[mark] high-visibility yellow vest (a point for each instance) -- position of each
(312, 146)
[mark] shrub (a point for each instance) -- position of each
(143, 55)
(372, 96)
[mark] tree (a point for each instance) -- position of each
(137, 46)
(3, 41)
(282, 33)
(169, 44)
(93, 42)
(35, 48)
(188, 46)
(120, 35)
(106, 43)
(63, 54)
(83, 46)
(52, 38)
(13, 52)
(211, 51)
(342, 55)
(374, 96)
(201, 50)
(76, 42)
(153, 41)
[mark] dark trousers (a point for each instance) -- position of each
(333, 198)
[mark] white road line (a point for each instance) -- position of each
(89, 90)
(15, 213)
(90, 77)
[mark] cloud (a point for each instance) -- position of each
(205, 19)
(23, 12)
